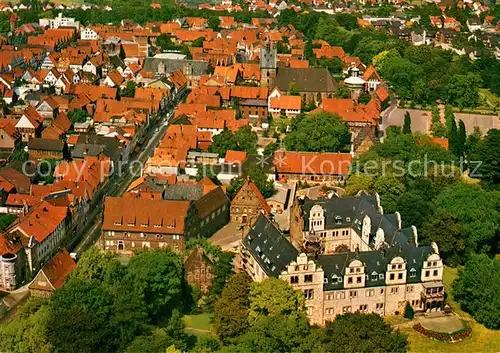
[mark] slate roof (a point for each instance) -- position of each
(42, 144)
(210, 202)
(312, 79)
(269, 247)
(350, 211)
(183, 192)
(171, 65)
(375, 263)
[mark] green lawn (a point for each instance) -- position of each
(481, 340)
(199, 325)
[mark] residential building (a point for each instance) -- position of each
(12, 263)
(41, 148)
(41, 231)
(198, 269)
(248, 204)
(52, 275)
(312, 167)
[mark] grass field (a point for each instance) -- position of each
(488, 99)
(481, 340)
(199, 325)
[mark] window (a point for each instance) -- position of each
(393, 267)
(309, 294)
(381, 276)
(294, 279)
(392, 276)
(346, 309)
(435, 273)
(329, 311)
(353, 294)
(381, 291)
(400, 276)
(363, 308)
(358, 279)
(409, 289)
(394, 290)
(427, 273)
(400, 267)
(413, 273)
(308, 278)
(379, 306)
(374, 276)
(370, 292)
(349, 280)
(341, 295)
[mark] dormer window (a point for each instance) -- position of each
(413, 273)
(117, 223)
(374, 276)
(381, 276)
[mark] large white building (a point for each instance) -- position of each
(59, 21)
(364, 260)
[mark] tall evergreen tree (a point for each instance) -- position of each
(407, 124)
(437, 128)
(461, 138)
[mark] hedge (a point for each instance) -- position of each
(447, 337)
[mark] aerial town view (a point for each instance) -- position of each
(248, 176)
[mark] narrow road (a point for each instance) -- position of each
(117, 185)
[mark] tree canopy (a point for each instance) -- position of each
(477, 289)
(322, 132)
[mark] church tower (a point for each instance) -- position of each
(268, 65)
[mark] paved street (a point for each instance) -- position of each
(117, 185)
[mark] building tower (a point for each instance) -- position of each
(355, 83)
(268, 65)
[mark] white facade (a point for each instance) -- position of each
(59, 21)
(88, 34)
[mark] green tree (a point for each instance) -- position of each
(477, 289)
(278, 334)
(214, 22)
(292, 89)
(261, 180)
(223, 142)
(461, 139)
(363, 333)
(463, 90)
(246, 139)
(357, 183)
(78, 116)
(6, 220)
(407, 124)
(234, 187)
(129, 90)
(364, 98)
(409, 312)
(28, 332)
(322, 132)
(157, 276)
(97, 265)
(474, 211)
(232, 308)
(488, 152)
(198, 42)
(437, 128)
(342, 92)
(206, 170)
(274, 297)
(79, 320)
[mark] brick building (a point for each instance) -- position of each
(198, 268)
(248, 204)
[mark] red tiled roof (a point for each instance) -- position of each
(7, 246)
(258, 195)
(312, 163)
(58, 268)
(144, 215)
(235, 156)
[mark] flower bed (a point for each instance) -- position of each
(443, 336)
